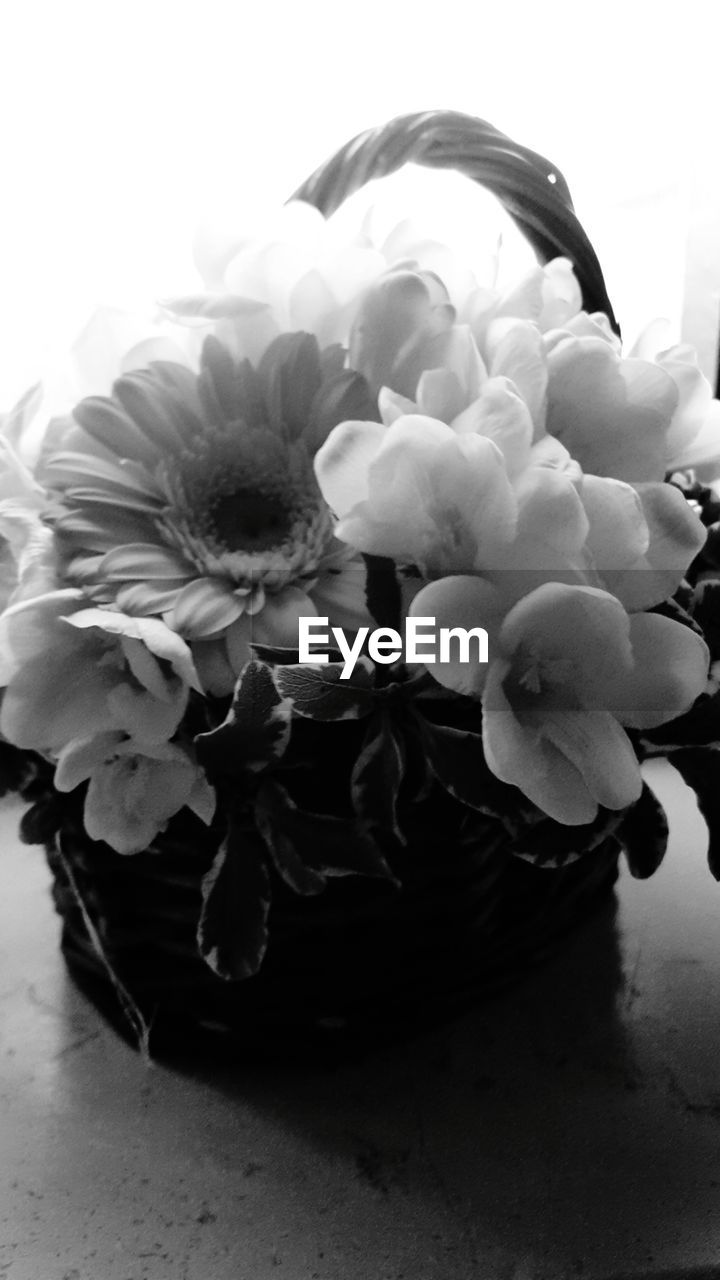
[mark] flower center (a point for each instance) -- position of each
(537, 682)
(245, 505)
(250, 520)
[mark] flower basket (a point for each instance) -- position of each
(255, 841)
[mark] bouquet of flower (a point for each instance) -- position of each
(360, 579)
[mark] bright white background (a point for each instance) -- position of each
(124, 124)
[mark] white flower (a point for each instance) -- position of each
(134, 789)
(613, 414)
(693, 439)
(568, 670)
(405, 326)
(548, 297)
(76, 672)
(419, 492)
(193, 498)
(298, 271)
(479, 497)
(27, 557)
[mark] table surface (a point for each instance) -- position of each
(570, 1128)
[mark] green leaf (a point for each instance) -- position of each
(700, 767)
(275, 819)
(282, 656)
(457, 760)
(256, 729)
(232, 932)
(644, 835)
(376, 778)
(324, 843)
(547, 843)
(319, 692)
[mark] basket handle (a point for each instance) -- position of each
(532, 191)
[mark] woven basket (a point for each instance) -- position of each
(363, 958)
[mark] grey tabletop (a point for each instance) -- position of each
(569, 1128)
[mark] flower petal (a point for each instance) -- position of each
(502, 416)
(204, 607)
(154, 636)
(112, 427)
(516, 352)
(131, 799)
(145, 561)
(670, 671)
(618, 532)
(561, 293)
(676, 535)
(525, 760)
(237, 644)
(398, 333)
(48, 702)
(581, 631)
(78, 760)
(144, 598)
(393, 406)
(217, 676)
(460, 601)
(202, 799)
(439, 395)
(594, 742)
(695, 399)
(146, 718)
(342, 464)
(611, 414)
(85, 530)
(703, 451)
(124, 478)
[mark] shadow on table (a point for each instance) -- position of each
(691, 1273)
(531, 1125)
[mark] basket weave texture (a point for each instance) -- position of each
(363, 956)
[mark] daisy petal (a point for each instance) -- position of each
(204, 607)
(145, 598)
(124, 478)
(115, 430)
(166, 420)
(144, 561)
(86, 530)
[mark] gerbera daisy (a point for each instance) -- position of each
(192, 497)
